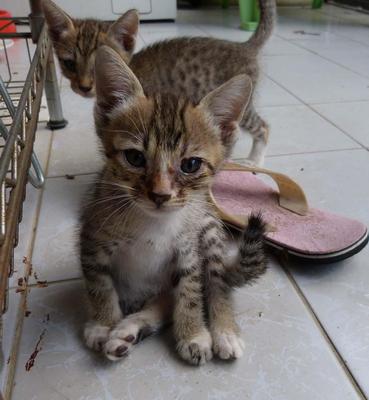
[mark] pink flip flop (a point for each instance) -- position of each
(303, 232)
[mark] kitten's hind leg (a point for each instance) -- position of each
(225, 274)
(135, 327)
(259, 130)
(227, 343)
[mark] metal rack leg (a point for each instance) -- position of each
(57, 120)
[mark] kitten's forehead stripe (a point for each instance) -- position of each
(167, 123)
(88, 34)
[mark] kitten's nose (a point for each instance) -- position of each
(159, 199)
(85, 89)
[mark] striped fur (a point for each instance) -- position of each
(147, 263)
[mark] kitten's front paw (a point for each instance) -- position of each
(196, 351)
(122, 338)
(227, 345)
(116, 349)
(95, 335)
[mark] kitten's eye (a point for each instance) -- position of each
(135, 157)
(70, 64)
(191, 165)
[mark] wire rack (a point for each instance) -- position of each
(20, 101)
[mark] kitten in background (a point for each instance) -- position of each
(151, 244)
(193, 66)
(76, 40)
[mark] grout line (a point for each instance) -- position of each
(52, 283)
(302, 153)
(9, 381)
(284, 264)
(338, 102)
(338, 127)
(315, 152)
(271, 106)
(73, 174)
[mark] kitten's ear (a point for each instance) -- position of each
(59, 23)
(226, 105)
(124, 30)
(116, 84)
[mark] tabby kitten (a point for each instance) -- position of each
(76, 40)
(192, 66)
(151, 243)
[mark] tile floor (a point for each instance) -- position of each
(306, 327)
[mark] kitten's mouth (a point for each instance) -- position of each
(159, 211)
(89, 94)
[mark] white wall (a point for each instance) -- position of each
(18, 8)
(101, 9)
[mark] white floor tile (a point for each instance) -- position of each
(75, 149)
(297, 22)
(286, 356)
(314, 80)
(269, 93)
(339, 296)
(345, 52)
(354, 31)
(275, 46)
(339, 292)
(210, 16)
(55, 254)
(350, 117)
(330, 42)
(297, 129)
(170, 32)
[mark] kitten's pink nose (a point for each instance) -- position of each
(159, 199)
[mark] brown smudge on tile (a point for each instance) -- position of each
(31, 361)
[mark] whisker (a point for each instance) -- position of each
(113, 213)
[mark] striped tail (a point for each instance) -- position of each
(266, 24)
(253, 259)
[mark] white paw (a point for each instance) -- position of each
(227, 345)
(196, 351)
(123, 337)
(95, 335)
(116, 349)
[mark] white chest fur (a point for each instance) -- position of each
(143, 266)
